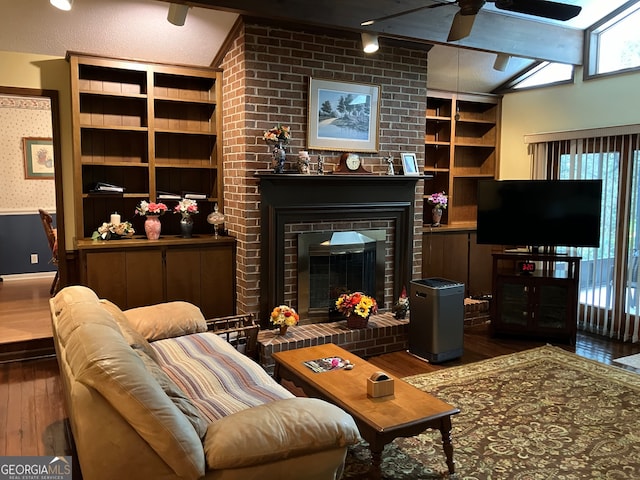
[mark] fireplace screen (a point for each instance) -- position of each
(332, 263)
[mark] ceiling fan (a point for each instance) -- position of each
(463, 21)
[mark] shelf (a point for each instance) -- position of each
(207, 101)
(460, 151)
(162, 120)
(118, 128)
(141, 96)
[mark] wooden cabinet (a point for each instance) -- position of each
(199, 270)
(455, 255)
(461, 147)
(148, 128)
(542, 304)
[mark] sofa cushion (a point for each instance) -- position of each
(166, 320)
(216, 377)
(130, 334)
(75, 306)
(99, 357)
(176, 395)
(277, 431)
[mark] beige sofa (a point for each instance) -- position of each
(152, 395)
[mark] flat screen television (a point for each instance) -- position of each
(539, 213)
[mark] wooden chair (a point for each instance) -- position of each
(52, 238)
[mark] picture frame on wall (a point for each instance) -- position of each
(343, 116)
(38, 158)
(410, 164)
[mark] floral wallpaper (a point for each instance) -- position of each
(23, 117)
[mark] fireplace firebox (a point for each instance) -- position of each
(332, 263)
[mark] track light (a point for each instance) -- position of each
(62, 4)
(369, 42)
(502, 62)
(177, 14)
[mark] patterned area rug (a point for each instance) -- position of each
(541, 414)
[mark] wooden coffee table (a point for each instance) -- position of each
(406, 413)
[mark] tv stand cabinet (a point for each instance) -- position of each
(542, 304)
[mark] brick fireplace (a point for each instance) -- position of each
(266, 80)
(328, 203)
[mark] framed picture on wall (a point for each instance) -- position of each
(410, 164)
(343, 116)
(38, 158)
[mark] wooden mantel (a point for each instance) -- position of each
(292, 198)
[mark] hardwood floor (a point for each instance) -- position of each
(25, 309)
(31, 402)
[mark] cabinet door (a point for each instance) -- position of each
(204, 277)
(445, 255)
(183, 275)
(145, 279)
(479, 267)
(127, 278)
(553, 310)
(218, 282)
(514, 300)
(106, 274)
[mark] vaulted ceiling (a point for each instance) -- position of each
(139, 29)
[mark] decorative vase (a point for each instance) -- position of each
(356, 321)
(152, 227)
(186, 226)
(283, 329)
(279, 157)
(303, 162)
(436, 214)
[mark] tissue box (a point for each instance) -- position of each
(379, 385)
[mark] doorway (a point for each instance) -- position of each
(29, 118)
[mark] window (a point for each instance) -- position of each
(614, 43)
(609, 297)
(541, 74)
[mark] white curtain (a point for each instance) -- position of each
(609, 299)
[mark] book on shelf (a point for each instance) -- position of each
(102, 187)
(160, 195)
(194, 195)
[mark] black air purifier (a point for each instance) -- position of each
(436, 325)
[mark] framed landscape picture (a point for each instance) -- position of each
(38, 157)
(343, 116)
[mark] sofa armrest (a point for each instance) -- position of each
(238, 330)
(276, 431)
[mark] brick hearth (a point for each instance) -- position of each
(384, 334)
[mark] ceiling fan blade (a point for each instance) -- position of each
(540, 8)
(461, 27)
(366, 23)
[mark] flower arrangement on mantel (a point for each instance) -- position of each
(438, 200)
(110, 231)
(284, 317)
(151, 208)
(356, 303)
(186, 207)
(278, 134)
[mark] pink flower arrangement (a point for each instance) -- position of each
(186, 207)
(151, 208)
(358, 303)
(438, 200)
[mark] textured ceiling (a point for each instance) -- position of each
(122, 28)
(138, 29)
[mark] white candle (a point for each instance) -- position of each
(115, 218)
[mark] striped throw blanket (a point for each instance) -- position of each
(216, 377)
